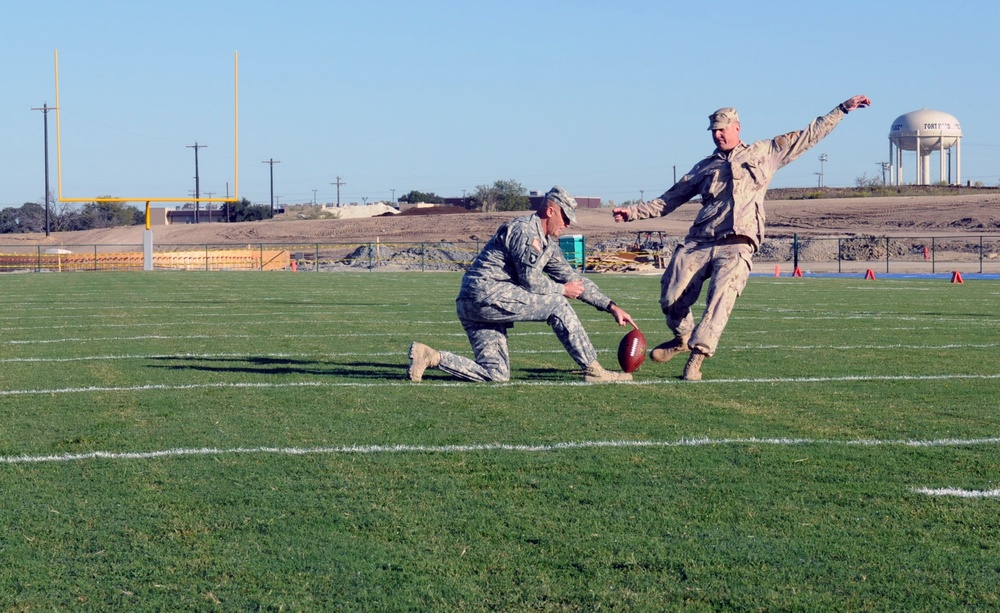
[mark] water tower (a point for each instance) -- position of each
(926, 131)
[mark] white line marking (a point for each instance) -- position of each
(187, 337)
(387, 383)
(959, 493)
(481, 447)
(340, 354)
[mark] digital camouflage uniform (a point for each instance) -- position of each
(518, 276)
(727, 231)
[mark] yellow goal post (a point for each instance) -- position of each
(148, 199)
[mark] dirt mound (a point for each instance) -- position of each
(974, 213)
(435, 210)
(358, 212)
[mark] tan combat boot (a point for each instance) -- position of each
(595, 373)
(664, 351)
(692, 370)
(422, 357)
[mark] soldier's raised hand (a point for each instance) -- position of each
(857, 102)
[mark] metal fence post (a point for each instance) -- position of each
(795, 251)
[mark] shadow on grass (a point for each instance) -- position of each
(393, 371)
(546, 374)
(284, 366)
(521, 375)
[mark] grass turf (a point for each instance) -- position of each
(250, 441)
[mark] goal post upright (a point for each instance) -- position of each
(236, 127)
(236, 152)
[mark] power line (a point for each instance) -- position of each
(197, 186)
(338, 184)
(272, 162)
(45, 108)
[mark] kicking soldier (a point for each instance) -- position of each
(728, 230)
(522, 275)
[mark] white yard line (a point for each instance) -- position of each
(402, 352)
(958, 493)
(395, 383)
(485, 447)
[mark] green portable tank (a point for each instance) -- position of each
(573, 248)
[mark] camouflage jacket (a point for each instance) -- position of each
(520, 255)
(732, 185)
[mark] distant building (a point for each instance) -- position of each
(187, 214)
(179, 216)
(582, 202)
(535, 198)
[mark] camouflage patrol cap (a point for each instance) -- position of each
(722, 118)
(566, 202)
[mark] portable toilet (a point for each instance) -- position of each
(573, 248)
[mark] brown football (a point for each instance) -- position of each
(632, 351)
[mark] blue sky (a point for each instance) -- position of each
(603, 98)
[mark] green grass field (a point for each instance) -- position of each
(250, 441)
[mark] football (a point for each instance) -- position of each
(632, 351)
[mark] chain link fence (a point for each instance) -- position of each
(856, 254)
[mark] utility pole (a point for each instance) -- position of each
(314, 197)
(338, 184)
(45, 108)
(197, 185)
(822, 160)
(209, 206)
(272, 162)
(887, 166)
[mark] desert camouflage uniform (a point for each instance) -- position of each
(727, 231)
(518, 276)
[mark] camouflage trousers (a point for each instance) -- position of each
(727, 263)
(487, 324)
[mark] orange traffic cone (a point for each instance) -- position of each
(870, 274)
(777, 271)
(956, 277)
(295, 266)
(798, 272)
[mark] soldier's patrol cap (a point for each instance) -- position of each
(566, 202)
(722, 118)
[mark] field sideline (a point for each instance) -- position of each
(248, 441)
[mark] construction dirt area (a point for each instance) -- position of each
(968, 213)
